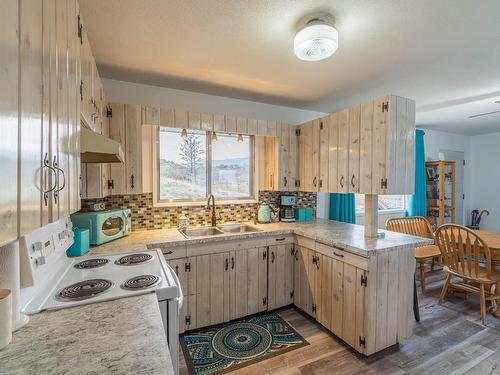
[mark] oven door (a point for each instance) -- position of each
(110, 226)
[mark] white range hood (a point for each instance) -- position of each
(96, 148)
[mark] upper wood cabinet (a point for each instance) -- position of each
(366, 149)
(40, 163)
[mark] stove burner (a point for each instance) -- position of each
(84, 290)
(91, 263)
(133, 259)
(141, 282)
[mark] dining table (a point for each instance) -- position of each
(492, 239)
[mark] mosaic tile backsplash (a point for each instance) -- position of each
(145, 216)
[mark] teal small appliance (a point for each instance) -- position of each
(264, 213)
(287, 203)
(104, 226)
(81, 243)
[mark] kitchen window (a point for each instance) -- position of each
(385, 203)
(191, 167)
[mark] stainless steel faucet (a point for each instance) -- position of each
(214, 217)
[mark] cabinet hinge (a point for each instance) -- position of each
(187, 319)
(80, 29)
(463, 162)
(111, 184)
(292, 251)
(385, 107)
(364, 280)
(320, 183)
(81, 91)
(264, 254)
(383, 183)
(321, 125)
(264, 301)
(187, 267)
(291, 294)
(463, 196)
(109, 111)
(362, 341)
(297, 132)
(314, 308)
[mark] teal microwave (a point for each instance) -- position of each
(104, 226)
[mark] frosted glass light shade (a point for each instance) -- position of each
(316, 42)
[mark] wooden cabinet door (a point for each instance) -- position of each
(337, 297)
(314, 162)
(289, 273)
(277, 278)
(323, 288)
(365, 148)
(133, 149)
(354, 134)
(117, 133)
(257, 280)
(343, 152)
(271, 144)
(284, 180)
(238, 288)
(307, 255)
(324, 168)
(293, 159)
(203, 289)
(333, 139)
(302, 288)
(179, 266)
(353, 309)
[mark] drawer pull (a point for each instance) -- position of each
(338, 255)
(280, 239)
(168, 252)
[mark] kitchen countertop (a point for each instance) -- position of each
(123, 336)
(349, 236)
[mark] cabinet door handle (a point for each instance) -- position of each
(132, 184)
(342, 181)
(226, 264)
(284, 181)
(280, 239)
(352, 182)
(232, 263)
(272, 257)
(271, 181)
(315, 181)
(46, 164)
(55, 166)
(177, 270)
(168, 252)
(338, 255)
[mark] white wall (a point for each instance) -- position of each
(485, 178)
(134, 93)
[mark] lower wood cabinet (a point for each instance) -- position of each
(365, 301)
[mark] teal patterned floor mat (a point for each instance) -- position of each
(227, 347)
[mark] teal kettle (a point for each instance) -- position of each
(264, 213)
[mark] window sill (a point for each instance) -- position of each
(204, 203)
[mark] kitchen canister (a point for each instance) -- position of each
(309, 213)
(5, 317)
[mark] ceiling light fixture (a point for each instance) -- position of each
(240, 138)
(316, 39)
(184, 134)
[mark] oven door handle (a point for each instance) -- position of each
(180, 297)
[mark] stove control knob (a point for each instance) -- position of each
(40, 261)
(37, 246)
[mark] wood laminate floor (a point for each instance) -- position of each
(449, 339)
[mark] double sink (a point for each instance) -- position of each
(220, 229)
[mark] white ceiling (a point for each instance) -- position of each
(445, 54)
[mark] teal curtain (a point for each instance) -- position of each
(417, 203)
(342, 208)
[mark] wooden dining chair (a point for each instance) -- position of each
(467, 257)
(417, 226)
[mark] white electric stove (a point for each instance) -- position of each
(61, 282)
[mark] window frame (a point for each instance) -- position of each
(386, 211)
(158, 202)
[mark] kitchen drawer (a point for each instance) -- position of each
(224, 246)
(279, 240)
(173, 252)
(305, 242)
(337, 252)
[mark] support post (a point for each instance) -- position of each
(371, 215)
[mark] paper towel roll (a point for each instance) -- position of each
(5, 317)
